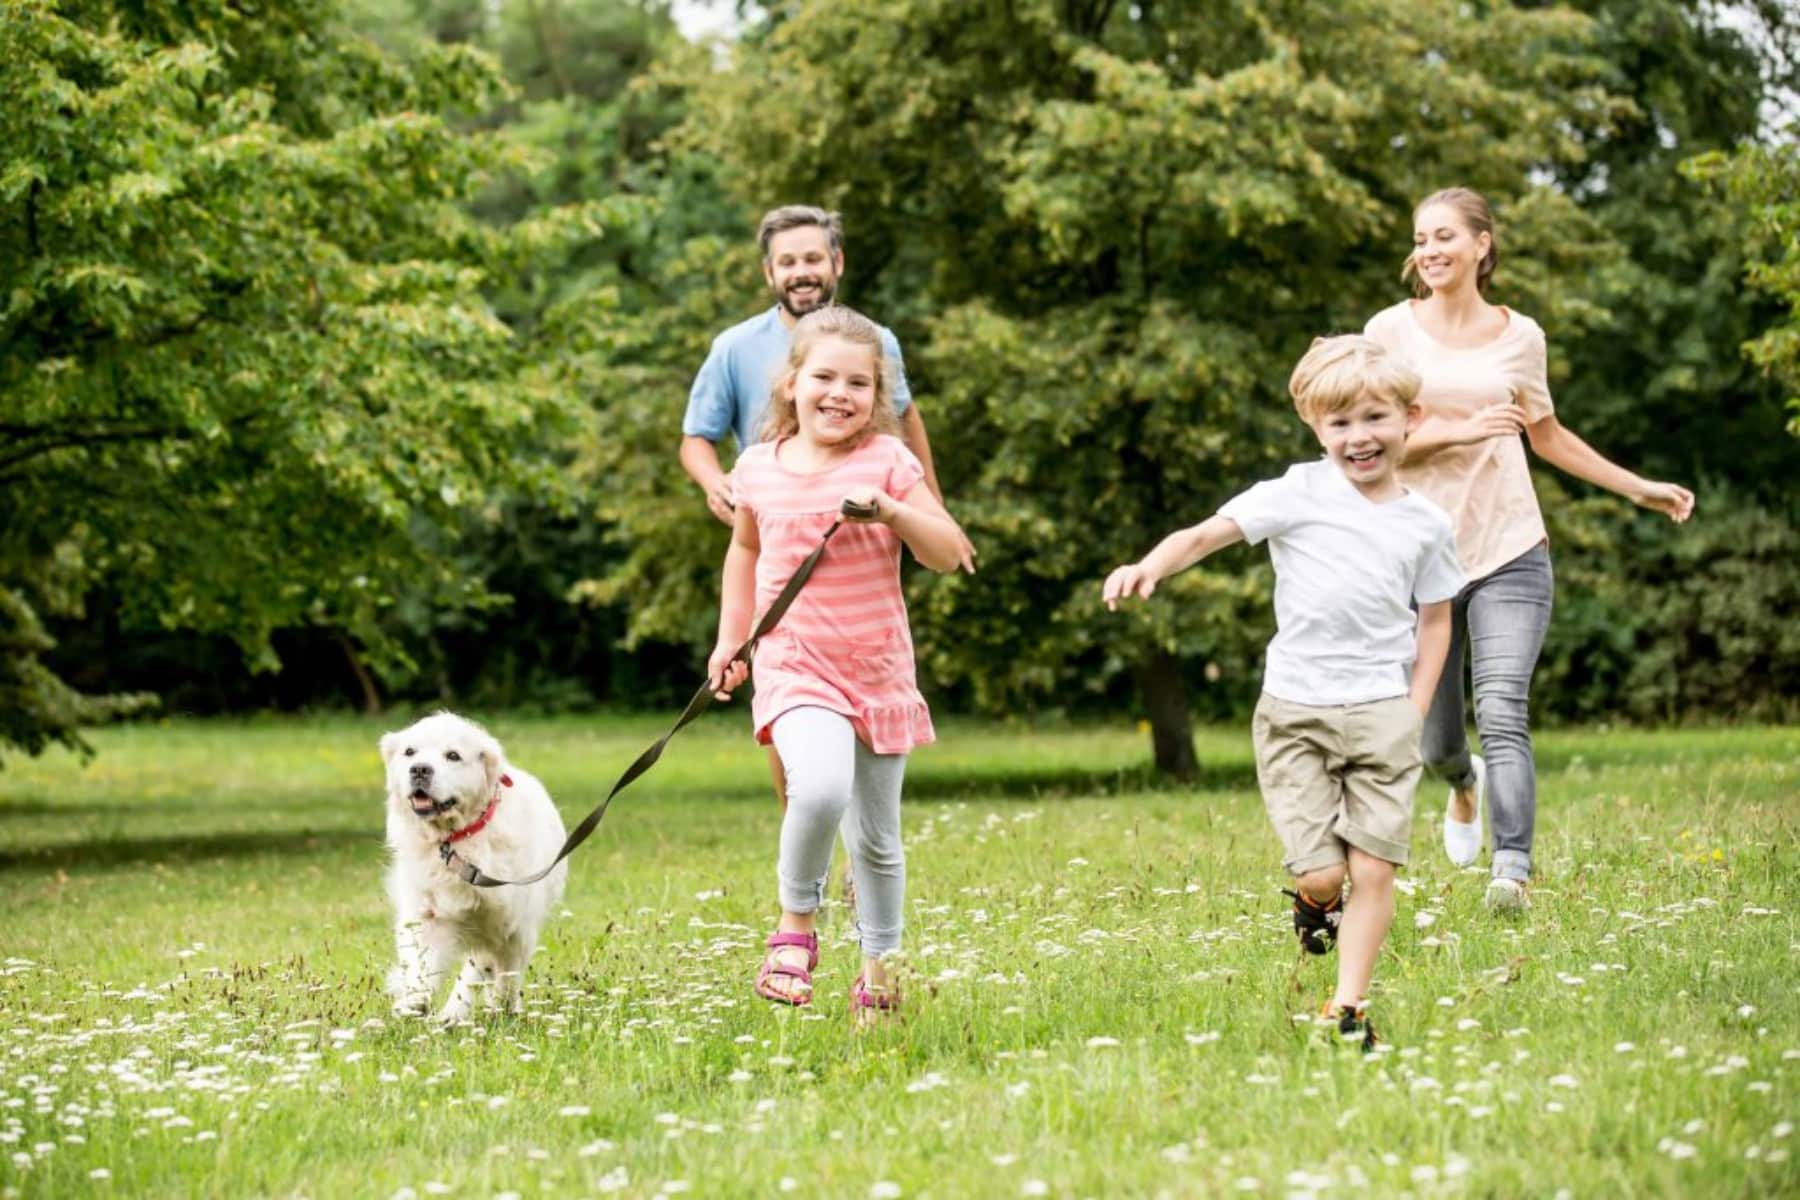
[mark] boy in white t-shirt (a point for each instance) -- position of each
(1337, 728)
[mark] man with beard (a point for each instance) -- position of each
(803, 259)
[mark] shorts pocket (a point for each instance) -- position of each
(1409, 726)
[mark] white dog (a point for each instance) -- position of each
(448, 780)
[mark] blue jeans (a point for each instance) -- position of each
(1499, 621)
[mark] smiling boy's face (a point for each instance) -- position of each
(1367, 440)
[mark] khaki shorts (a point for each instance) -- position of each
(1338, 775)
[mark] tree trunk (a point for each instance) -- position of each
(371, 695)
(1171, 724)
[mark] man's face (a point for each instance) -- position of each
(802, 270)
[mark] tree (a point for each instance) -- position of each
(1763, 183)
(1107, 234)
(1675, 309)
(246, 343)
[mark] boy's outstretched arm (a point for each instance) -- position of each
(1177, 552)
(1433, 642)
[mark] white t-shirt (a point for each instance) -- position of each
(1346, 569)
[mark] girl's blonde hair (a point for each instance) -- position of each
(848, 325)
(1336, 372)
(1472, 210)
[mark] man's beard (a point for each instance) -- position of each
(826, 294)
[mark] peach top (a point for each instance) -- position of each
(1485, 487)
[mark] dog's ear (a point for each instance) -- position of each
(390, 746)
(492, 759)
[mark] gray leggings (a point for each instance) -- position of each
(834, 779)
(1499, 621)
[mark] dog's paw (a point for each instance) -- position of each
(453, 1013)
(416, 1004)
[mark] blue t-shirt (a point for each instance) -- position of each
(731, 392)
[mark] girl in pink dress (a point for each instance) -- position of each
(835, 687)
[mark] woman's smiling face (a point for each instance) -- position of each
(1446, 252)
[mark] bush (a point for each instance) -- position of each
(1661, 623)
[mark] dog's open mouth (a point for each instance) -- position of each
(423, 805)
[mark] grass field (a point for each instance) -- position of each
(1103, 989)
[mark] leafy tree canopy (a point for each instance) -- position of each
(245, 341)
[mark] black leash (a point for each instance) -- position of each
(468, 872)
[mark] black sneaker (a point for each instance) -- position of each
(1314, 923)
(1353, 1028)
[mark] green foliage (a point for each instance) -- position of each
(1672, 305)
(1654, 623)
(37, 707)
(363, 328)
(245, 342)
(623, 321)
(1763, 183)
(1115, 234)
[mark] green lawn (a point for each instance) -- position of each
(1103, 1003)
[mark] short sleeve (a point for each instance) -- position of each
(751, 465)
(712, 401)
(905, 472)
(890, 346)
(1440, 576)
(1383, 329)
(1531, 387)
(1263, 511)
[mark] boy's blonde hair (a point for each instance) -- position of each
(1336, 372)
(846, 324)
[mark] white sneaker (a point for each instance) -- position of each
(1462, 839)
(1506, 896)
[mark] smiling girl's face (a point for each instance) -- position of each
(834, 391)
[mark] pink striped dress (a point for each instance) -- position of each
(844, 645)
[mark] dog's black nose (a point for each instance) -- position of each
(421, 770)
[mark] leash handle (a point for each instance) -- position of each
(860, 512)
(469, 873)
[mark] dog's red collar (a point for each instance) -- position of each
(475, 827)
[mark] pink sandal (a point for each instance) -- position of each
(865, 1003)
(808, 942)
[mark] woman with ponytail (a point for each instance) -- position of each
(1484, 384)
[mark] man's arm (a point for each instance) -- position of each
(700, 459)
(912, 432)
